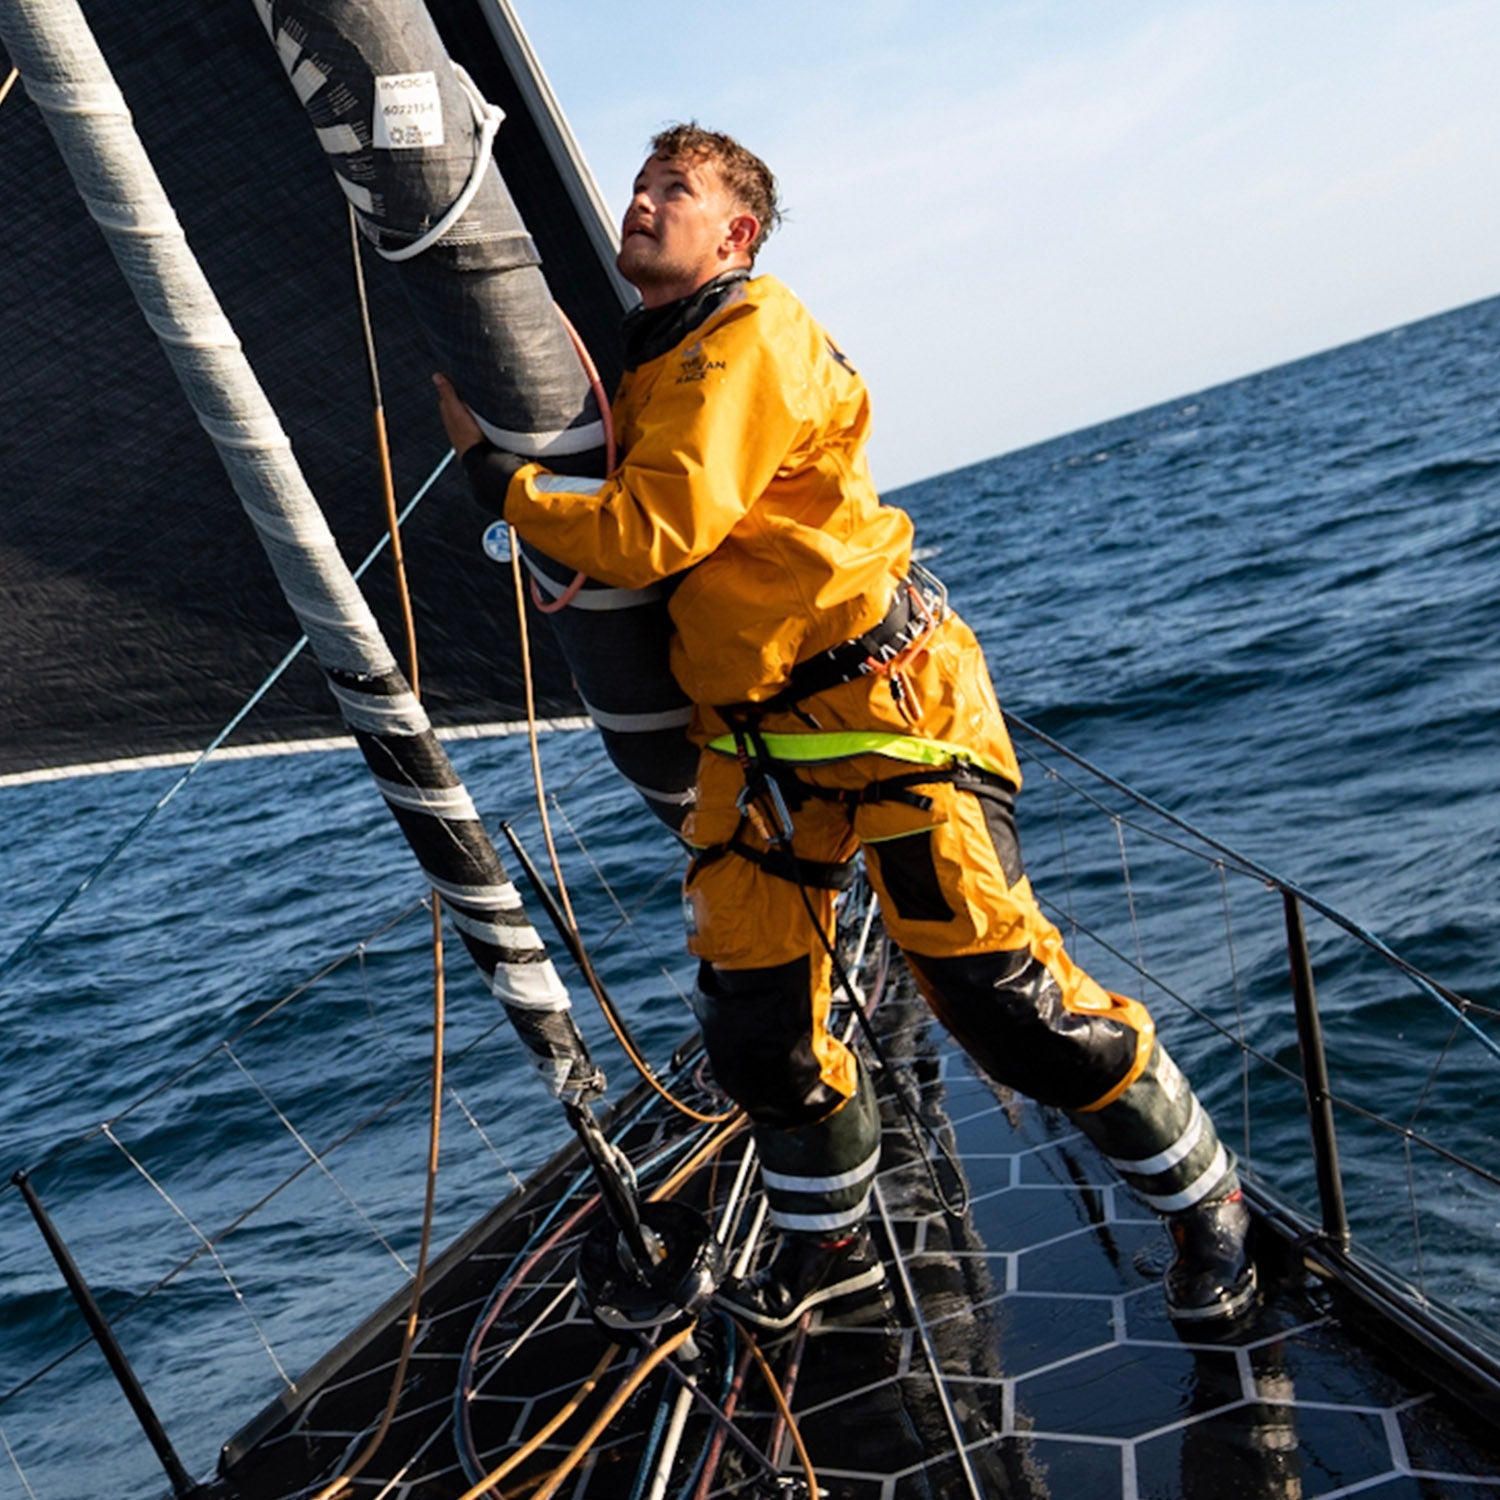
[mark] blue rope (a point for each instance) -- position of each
(653, 1442)
(29, 942)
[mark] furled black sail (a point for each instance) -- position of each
(137, 616)
(407, 134)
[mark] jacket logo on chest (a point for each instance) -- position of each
(694, 365)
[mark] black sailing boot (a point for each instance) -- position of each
(1160, 1139)
(1211, 1278)
(806, 1272)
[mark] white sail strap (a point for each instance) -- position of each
(487, 117)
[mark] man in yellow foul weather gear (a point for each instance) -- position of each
(841, 707)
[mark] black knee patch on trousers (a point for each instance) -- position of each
(757, 1029)
(1007, 1013)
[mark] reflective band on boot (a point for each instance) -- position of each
(818, 1178)
(1160, 1139)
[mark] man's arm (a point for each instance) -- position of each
(490, 469)
(716, 426)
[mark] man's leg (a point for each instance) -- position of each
(997, 975)
(819, 1151)
(762, 1001)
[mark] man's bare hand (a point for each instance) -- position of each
(458, 421)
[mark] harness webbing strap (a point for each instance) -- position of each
(819, 747)
(769, 778)
(823, 875)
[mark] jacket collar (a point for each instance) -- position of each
(651, 331)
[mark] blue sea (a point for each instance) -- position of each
(1273, 607)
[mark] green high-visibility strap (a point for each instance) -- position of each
(819, 746)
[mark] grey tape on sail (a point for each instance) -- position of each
(66, 74)
(397, 122)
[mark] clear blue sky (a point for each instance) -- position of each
(1023, 216)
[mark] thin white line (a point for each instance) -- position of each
(15, 1463)
(208, 1245)
(500, 729)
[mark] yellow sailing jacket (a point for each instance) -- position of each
(743, 476)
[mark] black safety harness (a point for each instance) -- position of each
(773, 790)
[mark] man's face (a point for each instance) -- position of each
(681, 229)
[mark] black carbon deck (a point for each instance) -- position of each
(1039, 1336)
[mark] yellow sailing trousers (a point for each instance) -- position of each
(940, 846)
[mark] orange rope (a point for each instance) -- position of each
(9, 84)
(585, 965)
(763, 1365)
(342, 1484)
(534, 1442)
(601, 399)
(712, 1145)
(383, 454)
(611, 1411)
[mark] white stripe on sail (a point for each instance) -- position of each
(667, 718)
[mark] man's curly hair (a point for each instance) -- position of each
(748, 178)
